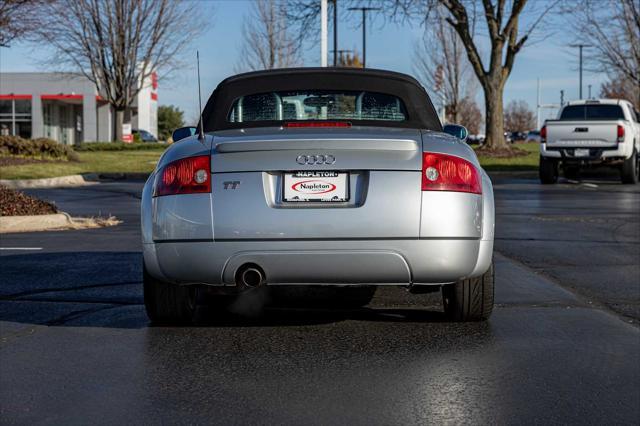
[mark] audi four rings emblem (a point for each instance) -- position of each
(315, 159)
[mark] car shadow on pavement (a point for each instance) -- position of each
(104, 289)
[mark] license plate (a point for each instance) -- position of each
(316, 187)
(581, 153)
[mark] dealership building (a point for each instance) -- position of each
(68, 108)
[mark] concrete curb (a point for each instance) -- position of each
(123, 176)
(52, 222)
(55, 182)
(42, 222)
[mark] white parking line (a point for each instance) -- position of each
(20, 248)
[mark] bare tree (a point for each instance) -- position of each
(621, 87)
(499, 20)
(612, 29)
(267, 42)
(118, 44)
(18, 18)
(350, 59)
(442, 66)
(469, 115)
(502, 22)
(518, 117)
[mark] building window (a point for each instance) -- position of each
(6, 117)
(15, 117)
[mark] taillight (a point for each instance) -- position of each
(185, 176)
(620, 133)
(543, 134)
(317, 124)
(442, 172)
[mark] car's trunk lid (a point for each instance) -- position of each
(353, 148)
(382, 167)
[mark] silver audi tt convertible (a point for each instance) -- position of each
(318, 177)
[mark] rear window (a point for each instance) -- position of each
(592, 112)
(317, 105)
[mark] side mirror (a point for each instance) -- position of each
(183, 132)
(457, 131)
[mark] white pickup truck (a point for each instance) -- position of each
(588, 133)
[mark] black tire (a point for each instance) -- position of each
(630, 169)
(167, 303)
(470, 299)
(548, 171)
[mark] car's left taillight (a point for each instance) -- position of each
(442, 172)
(185, 176)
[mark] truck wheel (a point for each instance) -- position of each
(470, 299)
(167, 303)
(548, 171)
(631, 169)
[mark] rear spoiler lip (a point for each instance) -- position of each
(338, 143)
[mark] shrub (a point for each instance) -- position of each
(41, 147)
(119, 146)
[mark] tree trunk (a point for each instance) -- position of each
(494, 118)
(119, 122)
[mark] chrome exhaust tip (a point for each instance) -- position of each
(250, 276)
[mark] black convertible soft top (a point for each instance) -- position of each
(420, 111)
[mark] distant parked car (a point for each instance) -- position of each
(588, 133)
(533, 136)
(476, 139)
(518, 136)
(507, 137)
(144, 135)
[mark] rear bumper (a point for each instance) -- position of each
(596, 154)
(324, 262)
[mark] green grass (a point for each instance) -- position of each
(142, 161)
(525, 162)
(90, 162)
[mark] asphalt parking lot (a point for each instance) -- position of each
(562, 345)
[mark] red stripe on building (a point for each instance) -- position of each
(154, 96)
(13, 96)
(60, 96)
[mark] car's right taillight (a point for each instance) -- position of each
(543, 134)
(185, 176)
(442, 172)
(620, 133)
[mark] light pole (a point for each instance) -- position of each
(335, 33)
(580, 47)
(323, 33)
(364, 31)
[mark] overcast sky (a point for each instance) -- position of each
(389, 46)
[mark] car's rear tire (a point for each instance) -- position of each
(470, 299)
(631, 169)
(167, 303)
(548, 171)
